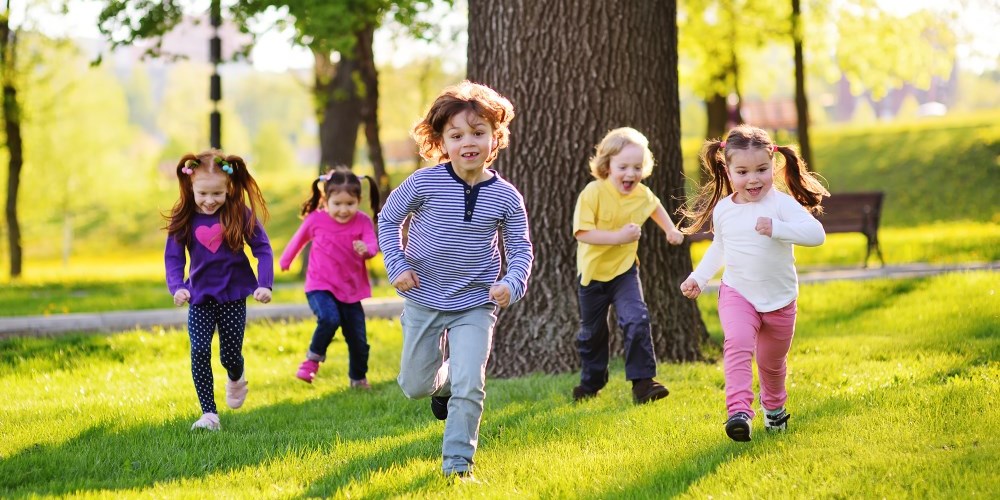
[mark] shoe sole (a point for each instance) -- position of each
(739, 433)
(306, 380)
(654, 395)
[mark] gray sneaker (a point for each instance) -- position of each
(738, 427)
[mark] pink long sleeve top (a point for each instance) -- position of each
(334, 266)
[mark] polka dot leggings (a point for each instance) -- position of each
(231, 318)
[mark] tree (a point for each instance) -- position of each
(801, 100)
(12, 127)
(575, 69)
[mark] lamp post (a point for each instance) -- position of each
(215, 91)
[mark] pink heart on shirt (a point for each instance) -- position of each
(210, 236)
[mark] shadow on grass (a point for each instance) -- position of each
(106, 459)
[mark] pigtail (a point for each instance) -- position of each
(803, 185)
(245, 205)
(312, 203)
(373, 195)
(178, 220)
(699, 210)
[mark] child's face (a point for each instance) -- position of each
(468, 140)
(751, 173)
(209, 191)
(342, 206)
(625, 168)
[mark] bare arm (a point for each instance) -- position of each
(627, 234)
(662, 219)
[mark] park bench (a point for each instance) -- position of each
(844, 213)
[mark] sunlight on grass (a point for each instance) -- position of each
(884, 378)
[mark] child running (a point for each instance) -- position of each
(754, 229)
(448, 268)
(343, 238)
(220, 208)
(607, 224)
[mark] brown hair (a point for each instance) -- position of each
(802, 184)
(466, 96)
(340, 179)
(244, 204)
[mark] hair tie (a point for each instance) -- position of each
(774, 148)
(325, 177)
(722, 144)
(226, 168)
(187, 168)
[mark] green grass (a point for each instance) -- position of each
(893, 389)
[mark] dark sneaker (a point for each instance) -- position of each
(439, 407)
(776, 422)
(647, 390)
(580, 393)
(738, 427)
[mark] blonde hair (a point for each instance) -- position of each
(613, 143)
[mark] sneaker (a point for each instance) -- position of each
(776, 420)
(738, 427)
(439, 407)
(647, 390)
(307, 370)
(208, 421)
(581, 393)
(236, 391)
(360, 384)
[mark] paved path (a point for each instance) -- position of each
(379, 308)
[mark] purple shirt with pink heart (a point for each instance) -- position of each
(216, 271)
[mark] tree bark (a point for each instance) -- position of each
(339, 108)
(15, 145)
(575, 69)
(369, 109)
(801, 100)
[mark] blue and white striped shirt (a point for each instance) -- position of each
(452, 240)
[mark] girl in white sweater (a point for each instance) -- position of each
(754, 229)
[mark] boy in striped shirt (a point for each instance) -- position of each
(447, 266)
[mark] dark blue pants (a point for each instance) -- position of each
(231, 318)
(593, 342)
(332, 314)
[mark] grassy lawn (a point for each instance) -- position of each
(893, 385)
(113, 283)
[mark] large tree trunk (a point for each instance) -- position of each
(575, 69)
(369, 109)
(801, 101)
(339, 108)
(12, 126)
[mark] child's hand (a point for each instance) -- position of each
(674, 236)
(360, 248)
(500, 293)
(406, 281)
(181, 297)
(763, 226)
(262, 294)
(690, 288)
(629, 232)
(284, 268)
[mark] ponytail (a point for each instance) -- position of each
(803, 185)
(699, 210)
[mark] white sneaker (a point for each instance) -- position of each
(776, 421)
(208, 421)
(236, 392)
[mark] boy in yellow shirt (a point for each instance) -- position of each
(607, 224)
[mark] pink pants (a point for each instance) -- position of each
(746, 330)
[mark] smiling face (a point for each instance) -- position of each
(209, 191)
(468, 140)
(625, 168)
(751, 172)
(342, 206)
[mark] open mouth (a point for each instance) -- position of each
(628, 185)
(470, 156)
(755, 192)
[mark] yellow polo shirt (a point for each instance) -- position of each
(601, 206)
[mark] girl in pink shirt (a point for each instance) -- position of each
(336, 278)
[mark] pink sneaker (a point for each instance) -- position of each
(307, 370)
(208, 421)
(236, 392)
(360, 384)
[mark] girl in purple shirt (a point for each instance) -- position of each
(219, 211)
(336, 278)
